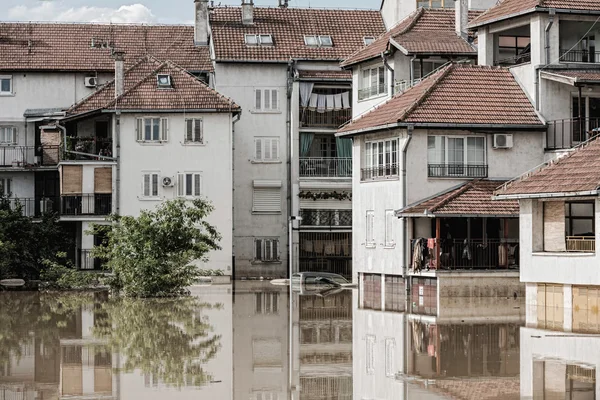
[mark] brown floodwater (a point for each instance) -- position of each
(253, 341)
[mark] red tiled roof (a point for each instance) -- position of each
(68, 47)
(342, 75)
(423, 31)
(471, 198)
(142, 92)
(510, 8)
(579, 171)
(288, 26)
(573, 76)
(456, 94)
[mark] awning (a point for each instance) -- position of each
(573, 78)
(469, 199)
(325, 75)
(40, 114)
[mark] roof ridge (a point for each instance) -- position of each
(443, 74)
(454, 195)
(416, 18)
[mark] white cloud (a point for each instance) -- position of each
(51, 11)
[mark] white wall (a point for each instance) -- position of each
(394, 11)
(22, 183)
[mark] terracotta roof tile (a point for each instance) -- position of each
(325, 75)
(579, 171)
(142, 92)
(68, 47)
(576, 76)
(288, 26)
(510, 8)
(423, 31)
(456, 94)
(471, 198)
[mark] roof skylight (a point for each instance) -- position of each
(259, 40)
(318, 40)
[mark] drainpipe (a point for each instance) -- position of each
(412, 69)
(290, 138)
(117, 136)
(409, 131)
(547, 34)
(234, 121)
(536, 84)
(387, 65)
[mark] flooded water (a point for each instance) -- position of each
(253, 341)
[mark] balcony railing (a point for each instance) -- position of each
(579, 56)
(515, 60)
(457, 170)
(86, 204)
(566, 133)
(17, 156)
(88, 262)
(327, 119)
(89, 145)
(371, 91)
(34, 207)
(379, 172)
(326, 167)
(329, 218)
(583, 244)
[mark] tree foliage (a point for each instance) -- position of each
(152, 255)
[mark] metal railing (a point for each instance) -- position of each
(567, 133)
(372, 91)
(86, 204)
(457, 170)
(329, 218)
(326, 252)
(514, 60)
(379, 172)
(34, 207)
(17, 156)
(325, 167)
(583, 244)
(579, 56)
(327, 119)
(87, 262)
(89, 145)
(402, 86)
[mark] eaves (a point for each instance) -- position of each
(534, 127)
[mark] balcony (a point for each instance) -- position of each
(25, 156)
(326, 218)
(515, 60)
(326, 167)
(581, 244)
(327, 119)
(86, 205)
(579, 56)
(457, 171)
(90, 145)
(566, 133)
(381, 172)
(372, 91)
(34, 207)
(471, 254)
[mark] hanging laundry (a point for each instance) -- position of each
(330, 104)
(346, 100)
(312, 105)
(321, 103)
(337, 101)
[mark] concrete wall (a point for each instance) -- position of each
(213, 160)
(22, 183)
(238, 81)
(394, 11)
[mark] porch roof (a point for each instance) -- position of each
(573, 77)
(469, 199)
(325, 75)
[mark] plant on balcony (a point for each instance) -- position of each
(325, 195)
(153, 255)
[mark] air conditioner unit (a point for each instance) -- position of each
(503, 141)
(91, 81)
(167, 182)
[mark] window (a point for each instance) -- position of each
(456, 156)
(368, 40)
(370, 232)
(318, 40)
(389, 228)
(370, 359)
(189, 184)
(267, 303)
(6, 85)
(373, 82)
(152, 129)
(390, 364)
(579, 219)
(423, 68)
(266, 250)
(266, 200)
(8, 135)
(511, 46)
(5, 187)
(381, 159)
(164, 81)
(266, 149)
(193, 131)
(266, 100)
(150, 184)
(259, 40)
(435, 3)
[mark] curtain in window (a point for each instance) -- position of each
(344, 153)
(306, 89)
(306, 140)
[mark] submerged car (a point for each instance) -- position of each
(317, 281)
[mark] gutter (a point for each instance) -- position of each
(409, 132)
(547, 34)
(233, 122)
(442, 126)
(546, 195)
(178, 110)
(533, 10)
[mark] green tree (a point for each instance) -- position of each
(152, 255)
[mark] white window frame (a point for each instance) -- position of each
(269, 303)
(6, 187)
(318, 40)
(167, 85)
(10, 132)
(390, 217)
(197, 182)
(266, 93)
(150, 196)
(368, 90)
(370, 229)
(190, 137)
(163, 130)
(9, 78)
(384, 162)
(466, 162)
(264, 147)
(261, 39)
(270, 250)
(367, 40)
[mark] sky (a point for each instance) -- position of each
(140, 11)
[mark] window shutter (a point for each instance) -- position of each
(275, 149)
(258, 244)
(72, 177)
(180, 185)
(198, 131)
(258, 149)
(146, 185)
(197, 184)
(266, 100)
(268, 250)
(103, 180)
(275, 249)
(154, 184)
(389, 227)
(164, 129)
(257, 104)
(8, 187)
(189, 126)
(266, 199)
(14, 135)
(274, 99)
(267, 143)
(139, 131)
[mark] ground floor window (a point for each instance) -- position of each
(394, 293)
(372, 291)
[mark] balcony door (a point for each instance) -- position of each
(586, 118)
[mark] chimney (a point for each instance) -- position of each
(247, 12)
(461, 10)
(119, 73)
(283, 3)
(201, 23)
